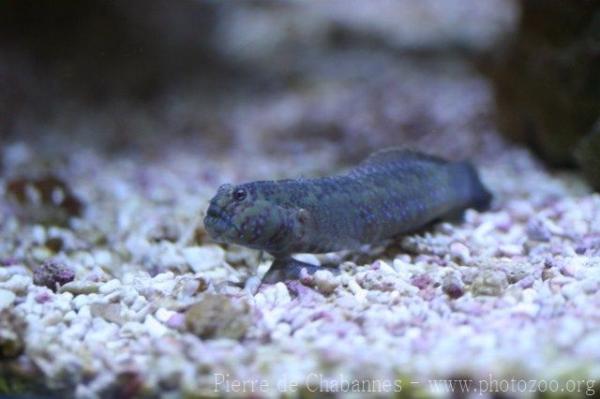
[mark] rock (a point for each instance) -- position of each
(490, 282)
(550, 107)
(80, 287)
(53, 274)
(46, 200)
(218, 316)
(587, 154)
(6, 299)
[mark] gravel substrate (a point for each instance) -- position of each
(131, 297)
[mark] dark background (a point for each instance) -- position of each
(294, 78)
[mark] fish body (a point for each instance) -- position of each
(392, 192)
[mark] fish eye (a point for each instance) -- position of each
(239, 194)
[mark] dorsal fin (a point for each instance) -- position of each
(396, 154)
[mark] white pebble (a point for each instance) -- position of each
(17, 283)
(165, 287)
(84, 312)
(154, 327)
(204, 258)
(103, 257)
(110, 286)
(590, 286)
(400, 266)
(521, 209)
(527, 308)
(52, 318)
(460, 251)
(166, 276)
(129, 296)
(5, 274)
(325, 281)
(308, 258)
(282, 295)
(132, 329)
(511, 249)
(571, 290)
(9, 271)
(70, 316)
(252, 285)
(359, 293)
(38, 233)
(139, 303)
(273, 296)
(80, 300)
(385, 268)
(163, 315)
(6, 299)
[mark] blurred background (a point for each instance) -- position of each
(328, 81)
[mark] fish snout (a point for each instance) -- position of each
(218, 225)
(213, 222)
(212, 212)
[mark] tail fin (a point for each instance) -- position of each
(467, 179)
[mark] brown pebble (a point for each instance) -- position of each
(46, 200)
(54, 244)
(218, 316)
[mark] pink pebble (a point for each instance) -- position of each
(176, 321)
(43, 297)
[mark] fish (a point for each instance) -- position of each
(393, 192)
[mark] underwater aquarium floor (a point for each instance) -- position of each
(126, 295)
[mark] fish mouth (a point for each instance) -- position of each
(219, 227)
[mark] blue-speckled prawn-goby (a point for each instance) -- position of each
(392, 192)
